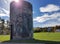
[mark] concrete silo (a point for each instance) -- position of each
(21, 20)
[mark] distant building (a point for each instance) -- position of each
(21, 20)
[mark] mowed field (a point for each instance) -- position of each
(47, 36)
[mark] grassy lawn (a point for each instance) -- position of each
(4, 38)
(50, 36)
(47, 36)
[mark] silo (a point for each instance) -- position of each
(21, 20)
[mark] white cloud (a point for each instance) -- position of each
(1, 11)
(4, 9)
(4, 1)
(49, 8)
(4, 12)
(51, 24)
(4, 15)
(47, 24)
(41, 19)
(58, 19)
(46, 17)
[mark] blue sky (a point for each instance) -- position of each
(45, 12)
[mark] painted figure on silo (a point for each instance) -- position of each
(21, 20)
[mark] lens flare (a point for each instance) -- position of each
(18, 3)
(16, 0)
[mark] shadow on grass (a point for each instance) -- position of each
(32, 41)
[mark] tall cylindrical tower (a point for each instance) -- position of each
(21, 20)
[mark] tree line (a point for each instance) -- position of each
(4, 27)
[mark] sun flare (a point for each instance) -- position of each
(16, 0)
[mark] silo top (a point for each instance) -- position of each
(25, 6)
(23, 3)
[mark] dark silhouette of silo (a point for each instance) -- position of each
(21, 20)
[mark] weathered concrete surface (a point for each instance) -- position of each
(21, 20)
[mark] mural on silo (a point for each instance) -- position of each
(21, 20)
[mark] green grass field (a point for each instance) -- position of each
(4, 38)
(47, 36)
